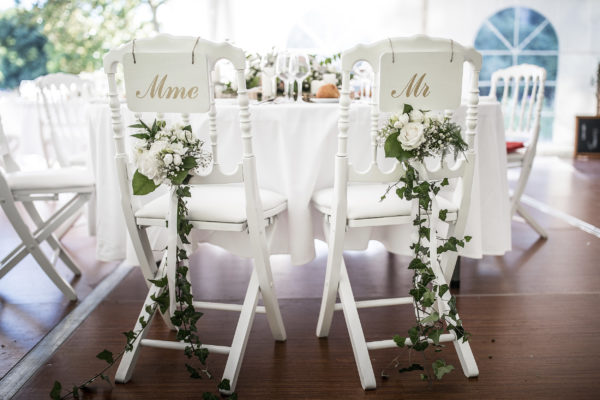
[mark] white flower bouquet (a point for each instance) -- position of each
(165, 155)
(415, 134)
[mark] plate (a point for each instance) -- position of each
(325, 100)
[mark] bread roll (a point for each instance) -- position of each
(328, 91)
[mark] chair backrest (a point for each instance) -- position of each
(522, 98)
(61, 99)
(189, 88)
(421, 71)
(6, 160)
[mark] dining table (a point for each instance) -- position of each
(295, 145)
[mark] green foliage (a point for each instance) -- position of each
(55, 392)
(441, 138)
(22, 48)
(80, 32)
(142, 185)
(106, 356)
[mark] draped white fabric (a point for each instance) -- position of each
(295, 146)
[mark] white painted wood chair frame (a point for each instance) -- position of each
(524, 112)
(59, 100)
(44, 232)
(336, 224)
(261, 281)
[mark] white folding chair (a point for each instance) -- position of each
(353, 201)
(220, 201)
(61, 99)
(522, 99)
(25, 187)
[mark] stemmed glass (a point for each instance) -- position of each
(299, 70)
(267, 66)
(282, 69)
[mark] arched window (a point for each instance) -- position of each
(520, 35)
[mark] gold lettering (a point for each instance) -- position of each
(157, 89)
(420, 88)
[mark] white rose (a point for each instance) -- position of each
(181, 135)
(168, 158)
(412, 135)
(148, 165)
(176, 159)
(401, 121)
(416, 116)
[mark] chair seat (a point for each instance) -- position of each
(216, 203)
(69, 179)
(516, 157)
(363, 202)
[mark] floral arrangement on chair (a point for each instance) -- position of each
(411, 137)
(165, 155)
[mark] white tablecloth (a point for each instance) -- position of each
(295, 146)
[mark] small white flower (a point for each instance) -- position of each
(412, 135)
(416, 116)
(176, 159)
(168, 158)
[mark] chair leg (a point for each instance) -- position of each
(332, 279)
(262, 266)
(532, 222)
(465, 356)
(33, 247)
(357, 337)
(91, 214)
(52, 240)
(242, 332)
(127, 364)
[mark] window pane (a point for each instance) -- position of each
(493, 63)
(484, 90)
(549, 92)
(528, 21)
(504, 21)
(545, 40)
(550, 63)
(546, 123)
(487, 40)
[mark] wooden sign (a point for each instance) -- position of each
(587, 136)
(426, 81)
(166, 83)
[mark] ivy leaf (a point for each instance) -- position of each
(428, 299)
(179, 177)
(162, 282)
(162, 300)
(189, 163)
(193, 372)
(399, 340)
(468, 239)
(442, 289)
(407, 109)
(393, 149)
(106, 356)
(141, 184)
(435, 336)
(424, 377)
(187, 128)
(440, 368)
(412, 367)
(445, 182)
(433, 317)
(224, 385)
(443, 214)
(413, 334)
(106, 378)
(75, 392)
(55, 392)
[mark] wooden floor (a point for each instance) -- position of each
(532, 315)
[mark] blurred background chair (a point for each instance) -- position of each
(522, 97)
(27, 187)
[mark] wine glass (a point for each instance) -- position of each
(282, 69)
(299, 71)
(267, 66)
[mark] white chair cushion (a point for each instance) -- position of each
(516, 156)
(51, 180)
(216, 203)
(363, 202)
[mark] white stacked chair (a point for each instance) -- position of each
(27, 187)
(61, 101)
(353, 201)
(522, 99)
(220, 202)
